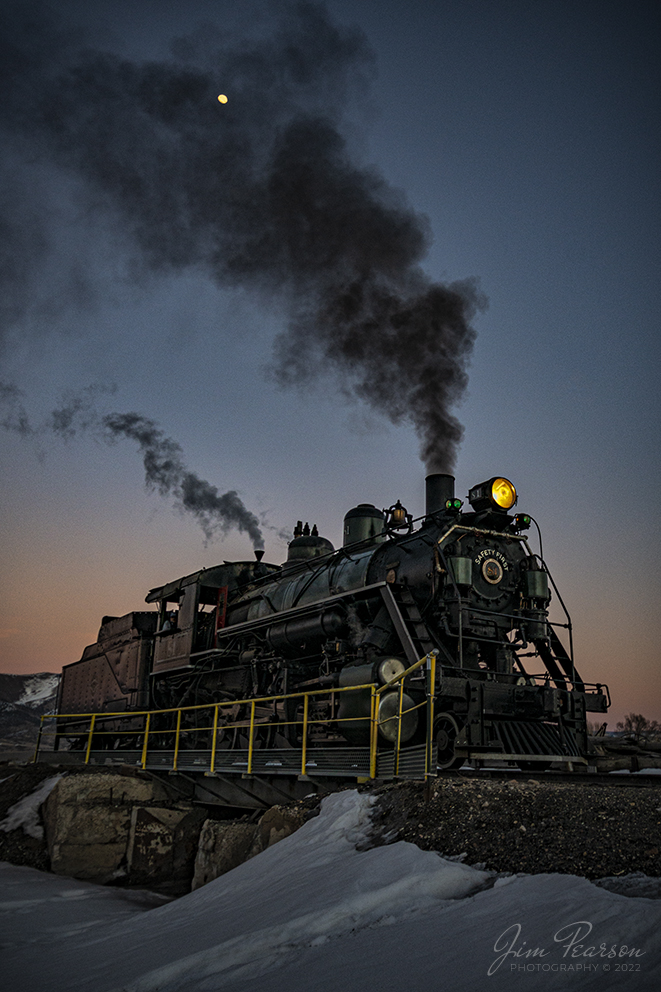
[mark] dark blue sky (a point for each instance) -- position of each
(528, 134)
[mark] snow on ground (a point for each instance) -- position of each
(39, 688)
(315, 913)
(25, 813)
(643, 771)
(38, 909)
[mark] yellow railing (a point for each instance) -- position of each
(148, 733)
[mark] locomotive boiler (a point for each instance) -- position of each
(463, 583)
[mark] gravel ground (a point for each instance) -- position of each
(532, 826)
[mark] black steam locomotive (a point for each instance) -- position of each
(463, 584)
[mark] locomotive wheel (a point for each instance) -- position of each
(446, 731)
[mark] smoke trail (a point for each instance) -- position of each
(261, 192)
(13, 415)
(166, 472)
(162, 458)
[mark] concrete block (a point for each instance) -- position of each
(162, 846)
(222, 846)
(94, 788)
(225, 845)
(99, 863)
(99, 827)
(277, 823)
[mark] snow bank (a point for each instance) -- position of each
(39, 910)
(25, 813)
(315, 914)
(636, 883)
(39, 688)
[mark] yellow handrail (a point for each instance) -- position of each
(212, 765)
(176, 742)
(150, 732)
(89, 739)
(304, 742)
(431, 685)
(252, 731)
(374, 730)
(144, 746)
(400, 703)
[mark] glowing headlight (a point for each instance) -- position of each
(496, 493)
(503, 493)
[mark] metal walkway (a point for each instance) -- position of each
(167, 741)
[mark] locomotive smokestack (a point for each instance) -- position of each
(439, 488)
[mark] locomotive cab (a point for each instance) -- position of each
(200, 603)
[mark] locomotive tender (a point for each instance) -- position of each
(463, 584)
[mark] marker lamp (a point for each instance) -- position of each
(522, 521)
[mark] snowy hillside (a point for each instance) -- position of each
(23, 699)
(315, 913)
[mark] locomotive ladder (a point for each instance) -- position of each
(407, 621)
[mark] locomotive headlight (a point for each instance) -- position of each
(497, 493)
(503, 493)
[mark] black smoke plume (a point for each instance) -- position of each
(13, 415)
(166, 472)
(261, 192)
(163, 462)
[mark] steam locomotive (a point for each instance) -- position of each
(462, 583)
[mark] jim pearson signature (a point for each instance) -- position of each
(572, 938)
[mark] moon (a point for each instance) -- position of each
(222, 98)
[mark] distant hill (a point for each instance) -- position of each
(23, 699)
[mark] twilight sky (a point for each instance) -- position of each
(526, 134)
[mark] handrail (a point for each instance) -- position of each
(402, 675)
(148, 732)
